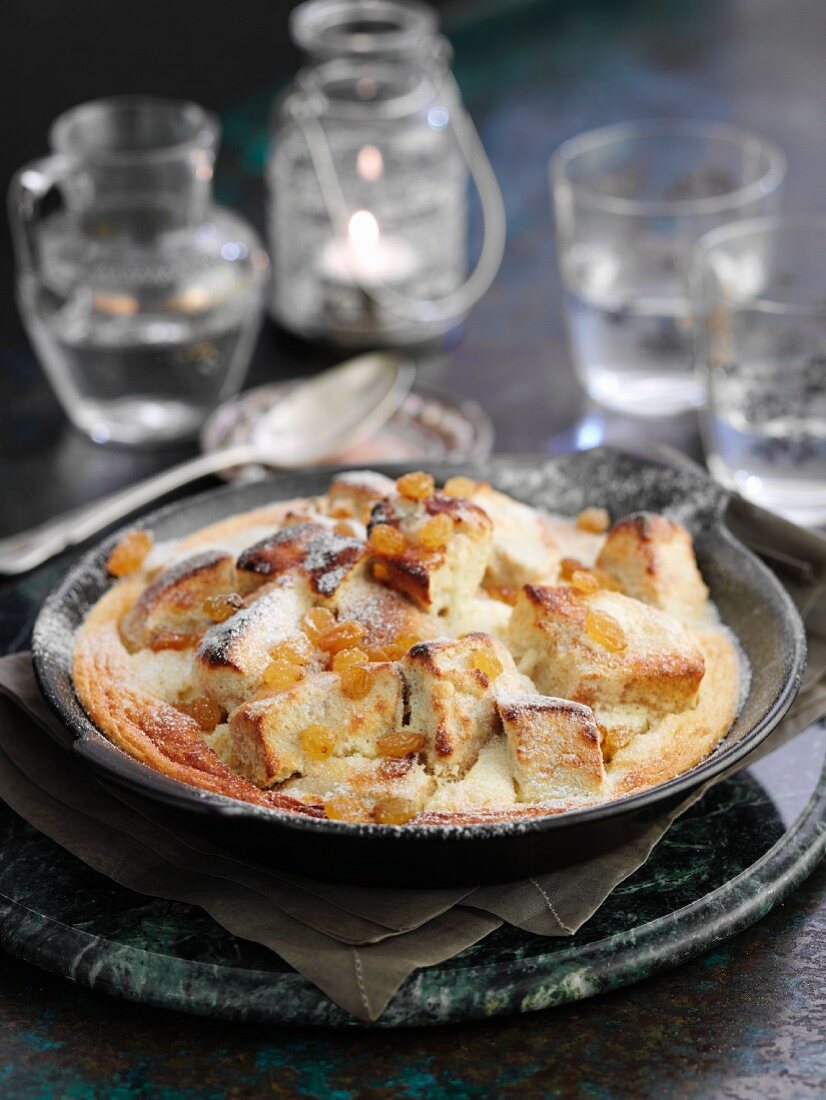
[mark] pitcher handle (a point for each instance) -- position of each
(28, 187)
(457, 302)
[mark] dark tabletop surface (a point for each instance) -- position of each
(747, 1020)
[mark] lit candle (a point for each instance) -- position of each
(351, 270)
(366, 258)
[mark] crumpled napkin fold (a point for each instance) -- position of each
(357, 944)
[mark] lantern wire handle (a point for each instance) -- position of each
(459, 301)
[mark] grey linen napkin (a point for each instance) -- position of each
(357, 944)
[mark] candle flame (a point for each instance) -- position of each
(363, 230)
(369, 163)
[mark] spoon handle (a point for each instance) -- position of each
(27, 549)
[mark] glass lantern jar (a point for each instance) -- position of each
(368, 180)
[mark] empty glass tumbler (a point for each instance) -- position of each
(141, 296)
(760, 330)
(630, 201)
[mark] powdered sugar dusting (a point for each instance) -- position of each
(243, 640)
(330, 558)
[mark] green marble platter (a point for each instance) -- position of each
(721, 867)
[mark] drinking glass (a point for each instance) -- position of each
(630, 201)
(141, 296)
(759, 293)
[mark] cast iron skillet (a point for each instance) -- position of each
(749, 598)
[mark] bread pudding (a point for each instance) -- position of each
(395, 653)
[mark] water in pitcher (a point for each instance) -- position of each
(629, 320)
(143, 327)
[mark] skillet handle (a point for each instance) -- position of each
(793, 551)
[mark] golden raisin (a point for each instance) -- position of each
(342, 808)
(459, 487)
(128, 556)
(416, 486)
(221, 607)
(583, 580)
(595, 520)
(381, 572)
(341, 636)
(400, 645)
(605, 631)
(280, 675)
(205, 712)
(569, 566)
(435, 532)
(345, 657)
(354, 681)
(384, 539)
(342, 511)
(382, 653)
(171, 639)
(294, 651)
(316, 621)
(401, 743)
(487, 663)
(405, 642)
(394, 811)
(317, 741)
(345, 529)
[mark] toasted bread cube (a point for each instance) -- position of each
(312, 548)
(232, 655)
(572, 541)
(174, 601)
(479, 614)
(452, 700)
(367, 781)
(385, 614)
(435, 579)
(353, 493)
(487, 785)
(523, 550)
(266, 742)
(652, 557)
(658, 664)
(554, 748)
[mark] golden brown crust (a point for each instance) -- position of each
(653, 559)
(326, 558)
(435, 579)
(384, 612)
(266, 742)
(679, 741)
(174, 601)
(659, 667)
(452, 701)
(554, 746)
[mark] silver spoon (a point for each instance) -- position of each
(315, 419)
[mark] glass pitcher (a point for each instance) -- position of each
(372, 154)
(141, 296)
